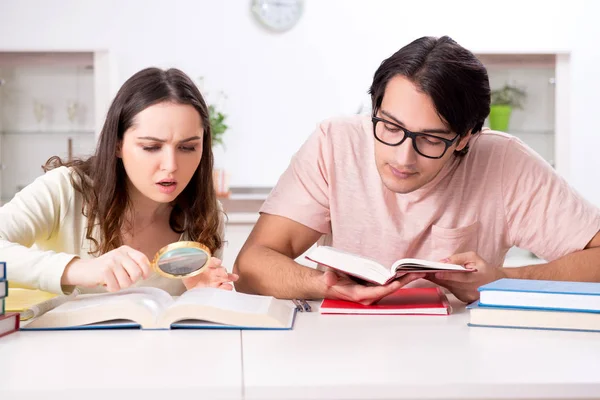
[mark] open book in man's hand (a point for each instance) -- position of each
(372, 271)
(153, 308)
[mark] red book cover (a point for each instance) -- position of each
(9, 323)
(410, 301)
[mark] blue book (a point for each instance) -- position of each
(151, 308)
(538, 294)
(2, 270)
(116, 324)
(2, 306)
(3, 288)
(523, 318)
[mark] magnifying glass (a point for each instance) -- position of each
(181, 259)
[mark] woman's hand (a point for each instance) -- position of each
(214, 275)
(118, 269)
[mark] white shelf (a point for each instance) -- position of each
(242, 218)
(514, 60)
(48, 132)
(517, 132)
(249, 196)
(12, 59)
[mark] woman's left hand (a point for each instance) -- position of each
(214, 275)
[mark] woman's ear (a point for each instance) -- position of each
(119, 152)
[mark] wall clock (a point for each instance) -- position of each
(278, 15)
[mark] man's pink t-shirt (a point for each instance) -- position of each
(500, 194)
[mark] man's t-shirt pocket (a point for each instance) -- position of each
(450, 241)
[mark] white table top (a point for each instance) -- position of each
(425, 357)
(115, 364)
(324, 356)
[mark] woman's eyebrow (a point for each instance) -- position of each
(155, 139)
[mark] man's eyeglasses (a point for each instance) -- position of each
(427, 145)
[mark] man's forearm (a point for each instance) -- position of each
(267, 272)
(583, 266)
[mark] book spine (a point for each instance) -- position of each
(17, 320)
(444, 299)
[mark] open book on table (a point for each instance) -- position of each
(372, 271)
(152, 308)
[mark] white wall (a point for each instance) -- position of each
(585, 89)
(280, 85)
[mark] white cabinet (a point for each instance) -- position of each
(537, 75)
(237, 230)
(47, 108)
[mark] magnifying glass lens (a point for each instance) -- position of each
(182, 261)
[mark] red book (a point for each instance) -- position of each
(9, 323)
(421, 301)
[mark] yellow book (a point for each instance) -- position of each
(20, 299)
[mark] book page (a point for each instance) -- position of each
(226, 300)
(7, 324)
(413, 264)
(142, 305)
(362, 267)
(154, 299)
(227, 308)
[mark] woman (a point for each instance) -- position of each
(96, 223)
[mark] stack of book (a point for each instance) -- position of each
(9, 322)
(537, 304)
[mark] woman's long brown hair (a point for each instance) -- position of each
(101, 179)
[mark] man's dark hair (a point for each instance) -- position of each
(451, 75)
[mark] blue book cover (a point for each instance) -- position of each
(477, 304)
(3, 288)
(523, 318)
(106, 325)
(538, 286)
(125, 324)
(541, 294)
(2, 270)
(212, 325)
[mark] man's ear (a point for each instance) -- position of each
(464, 141)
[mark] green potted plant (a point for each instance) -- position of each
(503, 101)
(218, 128)
(217, 125)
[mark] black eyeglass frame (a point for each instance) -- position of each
(413, 135)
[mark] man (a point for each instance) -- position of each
(421, 179)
